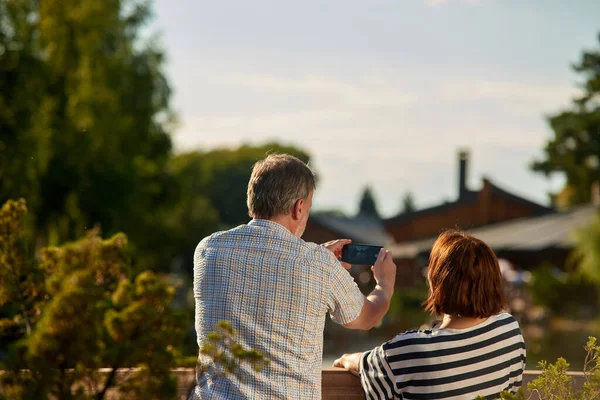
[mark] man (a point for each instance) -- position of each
(276, 289)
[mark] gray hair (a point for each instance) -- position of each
(276, 183)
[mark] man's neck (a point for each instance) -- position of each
(285, 221)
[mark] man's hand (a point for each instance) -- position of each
(378, 302)
(349, 361)
(384, 270)
(335, 246)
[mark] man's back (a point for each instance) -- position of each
(275, 289)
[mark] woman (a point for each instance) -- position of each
(477, 349)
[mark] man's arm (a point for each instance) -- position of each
(377, 303)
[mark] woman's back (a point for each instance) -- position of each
(447, 363)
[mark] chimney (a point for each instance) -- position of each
(463, 159)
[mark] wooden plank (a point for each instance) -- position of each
(336, 383)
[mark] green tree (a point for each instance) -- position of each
(84, 118)
(334, 212)
(408, 203)
(586, 254)
(25, 111)
(563, 293)
(226, 354)
(112, 107)
(555, 383)
(222, 176)
(95, 311)
(575, 148)
(367, 204)
(21, 289)
(84, 133)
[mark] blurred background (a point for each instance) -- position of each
(417, 116)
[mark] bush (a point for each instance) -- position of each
(226, 353)
(406, 310)
(562, 292)
(78, 308)
(554, 383)
(81, 307)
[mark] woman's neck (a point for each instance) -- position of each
(458, 322)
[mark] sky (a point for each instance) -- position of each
(380, 93)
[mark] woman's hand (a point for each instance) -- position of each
(349, 361)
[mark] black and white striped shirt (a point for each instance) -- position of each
(484, 359)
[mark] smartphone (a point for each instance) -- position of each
(361, 254)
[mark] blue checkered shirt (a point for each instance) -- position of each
(276, 290)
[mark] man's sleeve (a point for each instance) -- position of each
(345, 300)
(376, 376)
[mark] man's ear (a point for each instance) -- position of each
(298, 209)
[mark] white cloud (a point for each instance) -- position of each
(515, 139)
(366, 92)
(483, 89)
(379, 91)
(206, 130)
(439, 3)
(382, 94)
(379, 114)
(377, 128)
(435, 3)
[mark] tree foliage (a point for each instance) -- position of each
(226, 353)
(84, 116)
(85, 125)
(569, 294)
(96, 312)
(367, 205)
(408, 203)
(586, 254)
(21, 292)
(555, 383)
(574, 151)
(83, 307)
(222, 176)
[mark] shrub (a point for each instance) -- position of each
(78, 308)
(554, 383)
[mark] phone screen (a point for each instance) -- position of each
(361, 254)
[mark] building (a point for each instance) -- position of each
(525, 243)
(490, 205)
(411, 235)
(367, 229)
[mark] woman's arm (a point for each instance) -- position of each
(376, 377)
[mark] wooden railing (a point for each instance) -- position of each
(340, 384)
(337, 383)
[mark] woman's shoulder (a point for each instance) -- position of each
(498, 322)
(504, 318)
(411, 337)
